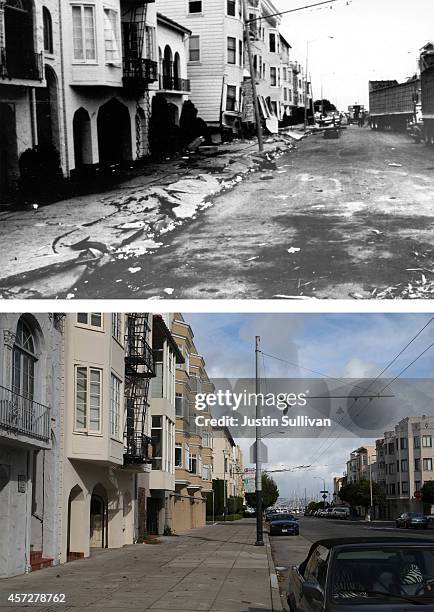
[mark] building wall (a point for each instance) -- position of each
(30, 468)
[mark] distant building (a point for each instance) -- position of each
(358, 466)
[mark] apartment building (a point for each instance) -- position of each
(161, 480)
(31, 106)
(405, 459)
(31, 396)
(193, 444)
(286, 95)
(215, 55)
(108, 364)
(359, 466)
(226, 462)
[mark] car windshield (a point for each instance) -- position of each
(282, 517)
(396, 572)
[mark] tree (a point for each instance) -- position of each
(270, 493)
(428, 492)
(358, 494)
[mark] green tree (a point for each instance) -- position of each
(358, 494)
(428, 492)
(270, 493)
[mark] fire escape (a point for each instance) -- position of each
(138, 71)
(139, 369)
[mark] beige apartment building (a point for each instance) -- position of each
(228, 465)
(193, 444)
(405, 458)
(358, 466)
(108, 365)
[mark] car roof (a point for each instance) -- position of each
(362, 540)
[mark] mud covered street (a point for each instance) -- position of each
(347, 218)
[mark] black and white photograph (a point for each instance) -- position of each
(216, 149)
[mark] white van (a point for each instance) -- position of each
(341, 513)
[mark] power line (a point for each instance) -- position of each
(301, 8)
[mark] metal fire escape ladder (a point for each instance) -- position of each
(139, 369)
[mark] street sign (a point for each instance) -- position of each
(324, 496)
(263, 452)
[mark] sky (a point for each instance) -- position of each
(338, 345)
(372, 40)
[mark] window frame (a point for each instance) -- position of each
(89, 324)
(84, 60)
(273, 70)
(178, 447)
(231, 52)
(427, 461)
(115, 29)
(190, 2)
(117, 327)
(48, 32)
(115, 415)
(197, 50)
(159, 428)
(87, 429)
(234, 98)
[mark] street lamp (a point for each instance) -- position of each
(307, 73)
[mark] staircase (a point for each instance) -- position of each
(37, 561)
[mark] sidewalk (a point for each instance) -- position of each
(46, 250)
(214, 568)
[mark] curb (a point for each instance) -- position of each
(276, 600)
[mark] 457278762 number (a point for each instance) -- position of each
(37, 598)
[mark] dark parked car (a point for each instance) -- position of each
(364, 574)
(283, 524)
(412, 519)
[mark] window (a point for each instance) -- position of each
(404, 488)
(231, 7)
(403, 443)
(417, 484)
(195, 6)
(117, 326)
(88, 402)
(272, 42)
(83, 33)
(231, 98)
(391, 468)
(397, 465)
(284, 74)
(205, 439)
(392, 488)
(273, 76)
(391, 448)
(240, 53)
(90, 319)
(179, 405)
(193, 463)
(232, 50)
(115, 406)
(157, 442)
(404, 465)
(416, 442)
(48, 30)
(317, 564)
(427, 464)
(206, 472)
(111, 36)
(23, 361)
(417, 465)
(426, 441)
(178, 455)
(187, 456)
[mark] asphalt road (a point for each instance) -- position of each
(337, 219)
(292, 550)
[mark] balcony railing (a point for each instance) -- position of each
(22, 415)
(26, 65)
(138, 449)
(139, 72)
(170, 83)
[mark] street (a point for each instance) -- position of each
(292, 550)
(347, 218)
(216, 568)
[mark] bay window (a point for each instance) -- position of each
(88, 399)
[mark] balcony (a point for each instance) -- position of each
(27, 65)
(138, 450)
(21, 415)
(170, 83)
(138, 72)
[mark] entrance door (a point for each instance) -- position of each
(97, 522)
(153, 509)
(8, 147)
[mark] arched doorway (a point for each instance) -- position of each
(82, 138)
(8, 148)
(22, 61)
(76, 545)
(98, 518)
(47, 112)
(114, 132)
(167, 68)
(177, 72)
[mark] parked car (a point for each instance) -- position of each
(341, 513)
(328, 513)
(248, 511)
(412, 519)
(283, 524)
(364, 574)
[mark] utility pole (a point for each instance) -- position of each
(259, 534)
(253, 77)
(305, 86)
